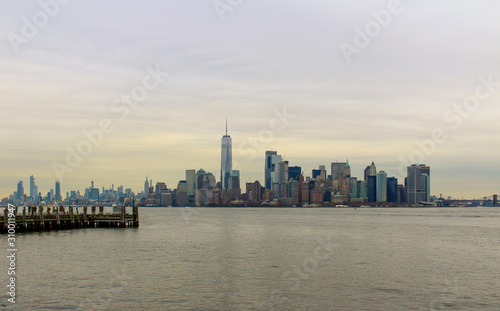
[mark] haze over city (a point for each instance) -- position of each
(253, 64)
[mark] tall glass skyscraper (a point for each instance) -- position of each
(419, 183)
(270, 166)
(226, 160)
(58, 191)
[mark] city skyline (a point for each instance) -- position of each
(416, 88)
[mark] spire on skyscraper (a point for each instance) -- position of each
(226, 126)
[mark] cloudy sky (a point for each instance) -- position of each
(318, 81)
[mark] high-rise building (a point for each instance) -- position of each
(181, 194)
(234, 185)
(226, 160)
(419, 183)
(371, 189)
(402, 194)
(20, 190)
(191, 181)
(57, 196)
(370, 170)
(392, 190)
(200, 174)
(269, 168)
(294, 172)
(338, 169)
(209, 181)
(146, 186)
(381, 186)
(33, 189)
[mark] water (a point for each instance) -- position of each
(267, 259)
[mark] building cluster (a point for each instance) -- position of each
(91, 196)
(284, 185)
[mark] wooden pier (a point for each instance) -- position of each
(44, 218)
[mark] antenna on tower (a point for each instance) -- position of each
(226, 126)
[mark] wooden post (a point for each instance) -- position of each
(48, 217)
(93, 210)
(71, 215)
(24, 218)
(41, 217)
(101, 210)
(123, 217)
(58, 221)
(85, 216)
(77, 216)
(136, 216)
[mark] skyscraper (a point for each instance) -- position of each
(381, 186)
(392, 190)
(58, 197)
(191, 181)
(370, 170)
(269, 168)
(226, 160)
(419, 183)
(146, 186)
(33, 189)
(20, 190)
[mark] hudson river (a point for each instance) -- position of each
(266, 259)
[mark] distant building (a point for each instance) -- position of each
(234, 189)
(33, 189)
(419, 183)
(58, 196)
(20, 190)
(271, 160)
(256, 194)
(226, 160)
(392, 190)
(382, 186)
(370, 170)
(294, 172)
(371, 189)
(146, 187)
(200, 174)
(402, 194)
(191, 181)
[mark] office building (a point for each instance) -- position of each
(226, 160)
(270, 163)
(191, 181)
(381, 186)
(392, 190)
(419, 183)
(57, 196)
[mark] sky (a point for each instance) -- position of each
(319, 81)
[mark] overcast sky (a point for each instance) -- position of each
(246, 60)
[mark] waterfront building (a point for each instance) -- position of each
(33, 189)
(392, 190)
(191, 181)
(20, 190)
(419, 183)
(58, 196)
(270, 163)
(381, 186)
(370, 170)
(371, 189)
(200, 174)
(226, 160)
(294, 172)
